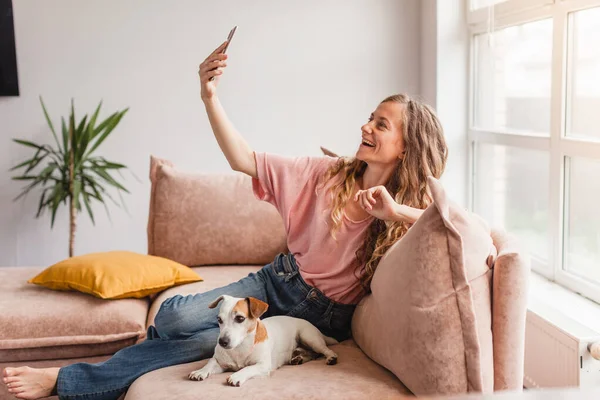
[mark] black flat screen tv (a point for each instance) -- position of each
(9, 82)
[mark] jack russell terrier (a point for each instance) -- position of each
(252, 347)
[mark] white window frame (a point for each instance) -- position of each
(516, 12)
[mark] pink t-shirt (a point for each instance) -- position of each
(329, 265)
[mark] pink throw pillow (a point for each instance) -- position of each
(428, 319)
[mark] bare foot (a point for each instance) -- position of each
(30, 383)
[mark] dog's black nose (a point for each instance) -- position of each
(224, 342)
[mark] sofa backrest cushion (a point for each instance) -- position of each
(210, 219)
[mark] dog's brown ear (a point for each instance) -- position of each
(256, 307)
(216, 302)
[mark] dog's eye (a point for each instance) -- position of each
(239, 319)
(219, 320)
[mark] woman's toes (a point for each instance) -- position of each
(14, 371)
(16, 389)
(11, 379)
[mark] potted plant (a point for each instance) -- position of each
(71, 172)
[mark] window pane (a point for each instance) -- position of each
(582, 226)
(584, 83)
(513, 74)
(511, 191)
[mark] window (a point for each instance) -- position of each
(582, 226)
(513, 78)
(583, 118)
(512, 191)
(535, 131)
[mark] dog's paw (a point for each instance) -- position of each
(332, 360)
(198, 375)
(235, 380)
(297, 360)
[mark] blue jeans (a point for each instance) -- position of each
(186, 330)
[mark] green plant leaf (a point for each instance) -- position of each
(100, 191)
(49, 123)
(28, 144)
(23, 178)
(109, 179)
(94, 117)
(38, 159)
(71, 130)
(91, 126)
(96, 131)
(72, 117)
(82, 144)
(25, 162)
(47, 172)
(114, 120)
(86, 201)
(65, 136)
(91, 183)
(111, 165)
(123, 201)
(76, 193)
(78, 135)
(93, 196)
(59, 194)
(86, 137)
(54, 210)
(42, 202)
(101, 162)
(58, 157)
(28, 188)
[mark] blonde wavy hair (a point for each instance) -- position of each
(425, 154)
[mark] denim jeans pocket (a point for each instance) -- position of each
(340, 321)
(282, 267)
(301, 310)
(337, 325)
(313, 312)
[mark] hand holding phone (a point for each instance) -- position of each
(229, 37)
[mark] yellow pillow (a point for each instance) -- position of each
(115, 274)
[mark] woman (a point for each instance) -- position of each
(340, 214)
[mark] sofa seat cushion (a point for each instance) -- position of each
(37, 323)
(354, 377)
(214, 277)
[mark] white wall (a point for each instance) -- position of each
(301, 74)
(429, 51)
(444, 84)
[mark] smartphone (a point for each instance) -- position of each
(231, 33)
(229, 37)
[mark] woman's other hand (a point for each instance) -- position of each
(378, 202)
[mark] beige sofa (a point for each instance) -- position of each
(40, 327)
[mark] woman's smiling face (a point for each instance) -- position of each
(382, 138)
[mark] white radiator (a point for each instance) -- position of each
(556, 345)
